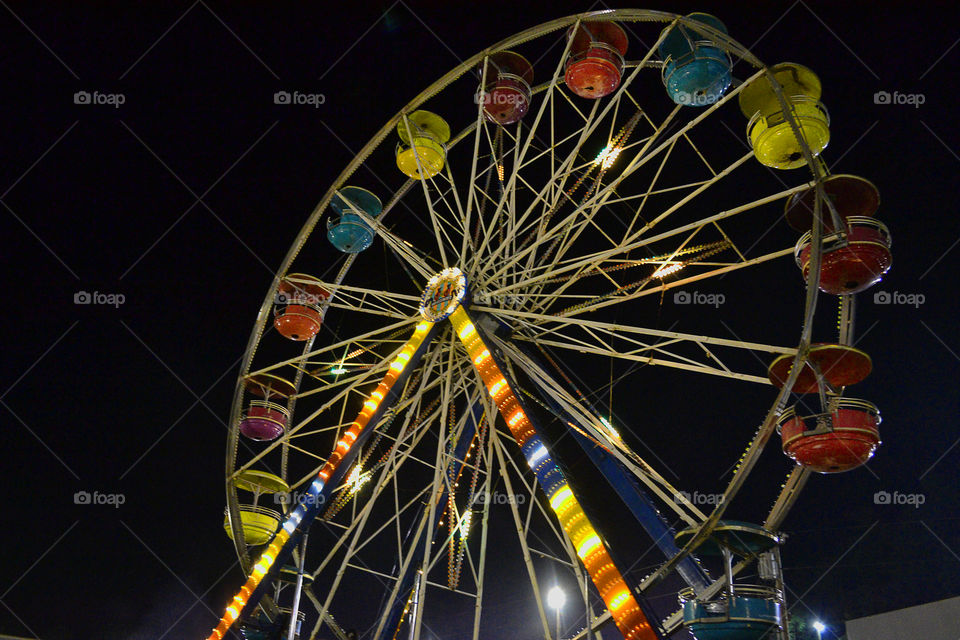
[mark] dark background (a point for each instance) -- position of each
(185, 199)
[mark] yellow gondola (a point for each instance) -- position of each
(768, 130)
(422, 142)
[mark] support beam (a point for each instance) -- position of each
(626, 612)
(339, 461)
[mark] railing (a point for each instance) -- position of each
(834, 405)
(694, 54)
(839, 240)
(580, 56)
(774, 118)
(265, 404)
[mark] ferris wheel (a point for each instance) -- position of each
(420, 393)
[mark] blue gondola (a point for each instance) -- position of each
(743, 618)
(696, 72)
(741, 611)
(346, 230)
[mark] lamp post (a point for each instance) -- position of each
(555, 600)
(819, 626)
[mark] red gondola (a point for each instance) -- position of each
(853, 264)
(843, 442)
(506, 95)
(299, 309)
(595, 64)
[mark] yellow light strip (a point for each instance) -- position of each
(626, 613)
(284, 535)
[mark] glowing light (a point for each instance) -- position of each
(608, 156)
(562, 495)
(356, 480)
(620, 599)
(556, 598)
(629, 619)
(338, 370)
(610, 430)
(466, 331)
(537, 455)
(666, 270)
(296, 518)
(590, 544)
(819, 627)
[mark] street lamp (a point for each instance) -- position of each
(819, 626)
(556, 598)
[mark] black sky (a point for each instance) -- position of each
(185, 198)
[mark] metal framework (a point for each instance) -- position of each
(568, 253)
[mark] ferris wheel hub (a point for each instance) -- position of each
(445, 292)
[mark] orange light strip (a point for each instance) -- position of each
(308, 509)
(591, 550)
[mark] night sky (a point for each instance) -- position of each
(177, 206)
